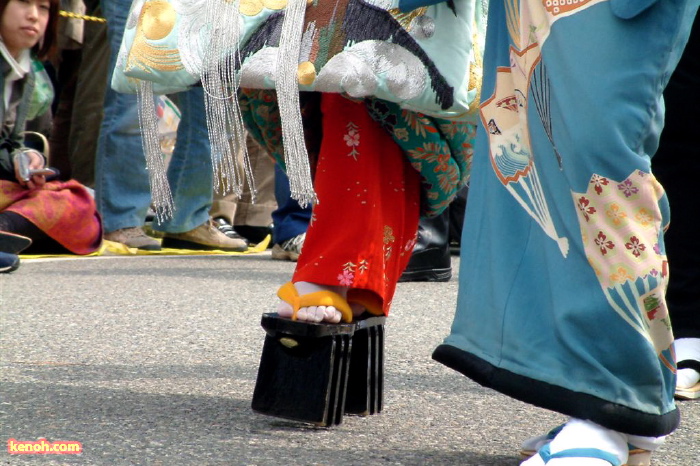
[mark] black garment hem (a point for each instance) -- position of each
(689, 364)
(689, 331)
(579, 405)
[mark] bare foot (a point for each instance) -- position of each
(314, 313)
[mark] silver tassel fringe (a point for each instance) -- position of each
(223, 113)
(161, 195)
(224, 119)
(287, 87)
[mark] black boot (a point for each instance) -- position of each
(457, 208)
(430, 260)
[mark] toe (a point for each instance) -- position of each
(284, 309)
(332, 315)
(303, 314)
(316, 313)
(310, 314)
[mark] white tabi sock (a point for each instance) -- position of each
(578, 433)
(687, 349)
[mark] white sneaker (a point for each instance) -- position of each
(133, 237)
(289, 250)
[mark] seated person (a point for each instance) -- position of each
(58, 217)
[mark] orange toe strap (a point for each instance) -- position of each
(367, 299)
(288, 293)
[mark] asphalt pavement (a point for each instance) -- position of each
(152, 360)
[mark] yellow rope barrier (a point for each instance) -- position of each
(68, 14)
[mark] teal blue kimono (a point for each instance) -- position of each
(563, 269)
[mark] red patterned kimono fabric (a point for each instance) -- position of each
(64, 211)
(363, 229)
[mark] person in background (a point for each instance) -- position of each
(274, 212)
(81, 74)
(122, 182)
(240, 217)
(58, 217)
(289, 221)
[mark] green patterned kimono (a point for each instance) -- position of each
(439, 149)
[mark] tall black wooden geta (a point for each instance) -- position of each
(315, 373)
(366, 380)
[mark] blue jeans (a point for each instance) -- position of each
(290, 219)
(122, 188)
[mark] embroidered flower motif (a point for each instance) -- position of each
(616, 214)
(378, 108)
(389, 122)
(586, 210)
(621, 275)
(598, 181)
(635, 246)
(657, 248)
(644, 217)
(628, 188)
(603, 243)
(451, 128)
(443, 162)
(388, 240)
(417, 166)
(352, 139)
(420, 124)
(401, 134)
(346, 278)
(448, 179)
(468, 151)
(388, 235)
(428, 152)
(364, 265)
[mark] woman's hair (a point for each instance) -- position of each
(47, 45)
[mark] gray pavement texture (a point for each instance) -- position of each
(152, 361)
